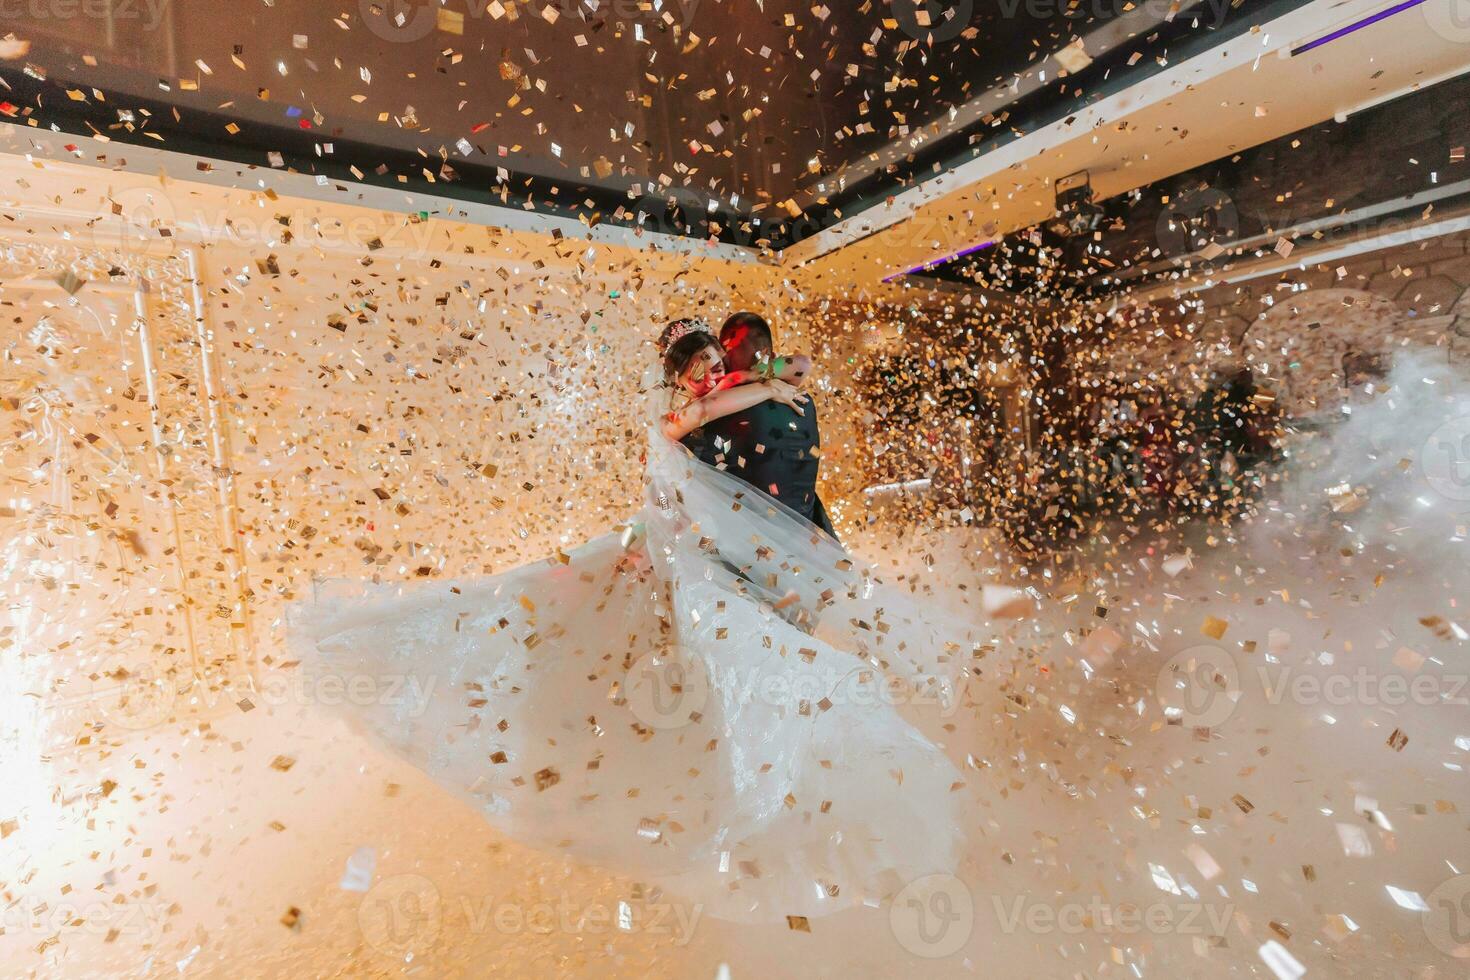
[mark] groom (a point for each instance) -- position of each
(769, 446)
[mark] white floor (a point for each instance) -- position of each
(1281, 832)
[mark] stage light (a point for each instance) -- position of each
(1076, 213)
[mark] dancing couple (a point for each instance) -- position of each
(721, 704)
(744, 410)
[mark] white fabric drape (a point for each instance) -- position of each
(647, 709)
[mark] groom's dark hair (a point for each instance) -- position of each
(755, 326)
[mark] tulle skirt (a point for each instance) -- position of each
(716, 708)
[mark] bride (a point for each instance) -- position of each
(707, 699)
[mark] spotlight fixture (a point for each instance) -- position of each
(1076, 213)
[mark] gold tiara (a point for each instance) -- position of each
(682, 327)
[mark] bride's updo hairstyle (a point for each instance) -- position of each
(681, 340)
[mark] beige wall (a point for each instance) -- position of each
(335, 391)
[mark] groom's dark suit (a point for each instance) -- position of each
(772, 448)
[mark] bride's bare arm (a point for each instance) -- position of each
(717, 404)
(793, 370)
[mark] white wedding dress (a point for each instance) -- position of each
(645, 708)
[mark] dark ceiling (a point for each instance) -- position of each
(1387, 159)
(602, 109)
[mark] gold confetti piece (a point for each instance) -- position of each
(449, 21)
(1073, 58)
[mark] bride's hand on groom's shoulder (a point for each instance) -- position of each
(787, 394)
